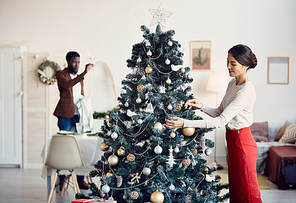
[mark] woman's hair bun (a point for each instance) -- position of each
(254, 61)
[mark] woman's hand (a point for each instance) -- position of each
(193, 103)
(175, 123)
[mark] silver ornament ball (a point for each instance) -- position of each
(106, 188)
(146, 171)
(158, 149)
(208, 151)
(114, 135)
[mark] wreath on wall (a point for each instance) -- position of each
(45, 79)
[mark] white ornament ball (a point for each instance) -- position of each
(167, 61)
(114, 135)
(139, 60)
(173, 134)
(106, 188)
(182, 70)
(170, 107)
(208, 151)
(158, 149)
(170, 43)
(158, 125)
(172, 187)
(146, 171)
(168, 81)
(177, 149)
(140, 121)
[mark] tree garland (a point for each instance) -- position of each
(97, 115)
(42, 75)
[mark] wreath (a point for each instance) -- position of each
(45, 79)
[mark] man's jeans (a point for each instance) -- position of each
(67, 123)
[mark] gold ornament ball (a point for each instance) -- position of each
(158, 126)
(104, 147)
(109, 174)
(138, 100)
(173, 134)
(149, 53)
(117, 107)
(194, 151)
(168, 81)
(134, 195)
(107, 116)
(178, 107)
(157, 197)
(121, 152)
(207, 169)
(148, 69)
(169, 107)
(188, 131)
(113, 160)
(130, 157)
(140, 88)
(186, 162)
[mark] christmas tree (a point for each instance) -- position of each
(143, 160)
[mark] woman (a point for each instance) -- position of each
(236, 113)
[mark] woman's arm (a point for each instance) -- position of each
(196, 104)
(239, 102)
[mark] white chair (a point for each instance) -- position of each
(63, 154)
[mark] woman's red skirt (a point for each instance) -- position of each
(242, 157)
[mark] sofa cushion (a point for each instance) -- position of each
(272, 132)
(289, 135)
(260, 131)
(282, 130)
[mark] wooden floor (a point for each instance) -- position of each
(26, 185)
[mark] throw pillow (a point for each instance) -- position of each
(282, 130)
(289, 135)
(260, 131)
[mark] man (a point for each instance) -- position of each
(71, 90)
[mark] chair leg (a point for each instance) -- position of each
(77, 186)
(67, 180)
(52, 187)
(89, 179)
(74, 182)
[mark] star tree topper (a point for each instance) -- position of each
(159, 15)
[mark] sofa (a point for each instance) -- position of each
(276, 152)
(267, 136)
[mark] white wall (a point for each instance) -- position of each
(108, 29)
